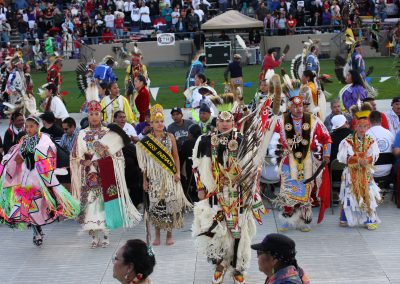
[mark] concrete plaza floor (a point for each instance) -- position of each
(329, 254)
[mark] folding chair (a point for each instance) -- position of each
(386, 183)
(335, 166)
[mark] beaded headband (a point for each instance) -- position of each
(225, 115)
(93, 106)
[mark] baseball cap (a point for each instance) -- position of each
(176, 109)
(205, 108)
(278, 245)
(338, 121)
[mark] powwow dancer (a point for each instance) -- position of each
(54, 72)
(16, 86)
(306, 143)
(359, 194)
(30, 191)
(226, 166)
(158, 158)
(98, 177)
(134, 69)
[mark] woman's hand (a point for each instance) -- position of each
(363, 162)
(177, 177)
(201, 194)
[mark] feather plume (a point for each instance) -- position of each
(92, 92)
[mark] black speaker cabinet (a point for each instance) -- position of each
(217, 53)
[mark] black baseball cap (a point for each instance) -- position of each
(176, 109)
(278, 245)
(205, 108)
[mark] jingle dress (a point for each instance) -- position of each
(359, 194)
(89, 184)
(30, 191)
(167, 199)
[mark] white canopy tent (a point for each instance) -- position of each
(231, 20)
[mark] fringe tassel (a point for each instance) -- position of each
(70, 207)
(128, 211)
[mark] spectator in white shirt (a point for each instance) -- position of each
(128, 6)
(145, 16)
(199, 13)
(175, 16)
(109, 19)
(120, 120)
(135, 16)
(384, 139)
(119, 5)
(196, 3)
(394, 116)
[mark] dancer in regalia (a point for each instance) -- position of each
(359, 194)
(158, 158)
(306, 144)
(98, 177)
(227, 166)
(30, 191)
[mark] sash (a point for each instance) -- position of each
(158, 153)
(108, 181)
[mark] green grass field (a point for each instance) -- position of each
(165, 77)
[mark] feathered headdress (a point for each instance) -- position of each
(361, 109)
(156, 112)
(16, 59)
(109, 59)
(136, 52)
(291, 88)
(92, 98)
(54, 60)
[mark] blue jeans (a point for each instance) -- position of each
(95, 40)
(223, 7)
(119, 32)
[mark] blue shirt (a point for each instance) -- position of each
(105, 74)
(67, 142)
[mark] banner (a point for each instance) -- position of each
(383, 79)
(154, 92)
(166, 39)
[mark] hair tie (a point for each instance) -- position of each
(150, 251)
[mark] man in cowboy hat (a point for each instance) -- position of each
(54, 72)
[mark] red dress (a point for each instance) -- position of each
(142, 102)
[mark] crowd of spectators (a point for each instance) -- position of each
(63, 26)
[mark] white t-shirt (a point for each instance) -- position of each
(109, 19)
(128, 6)
(175, 17)
(130, 130)
(145, 14)
(135, 16)
(384, 139)
(199, 13)
(58, 108)
(119, 5)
